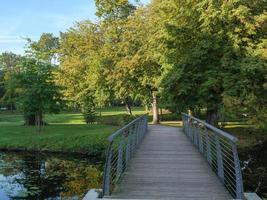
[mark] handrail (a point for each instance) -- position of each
(121, 148)
(219, 148)
(213, 128)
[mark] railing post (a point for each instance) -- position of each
(120, 159)
(187, 125)
(137, 132)
(107, 179)
(132, 143)
(142, 130)
(128, 151)
(208, 146)
(219, 158)
(184, 126)
(195, 134)
(238, 175)
(201, 141)
(190, 123)
(146, 124)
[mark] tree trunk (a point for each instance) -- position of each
(128, 106)
(160, 114)
(29, 120)
(155, 108)
(212, 116)
(39, 121)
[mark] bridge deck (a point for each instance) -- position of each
(168, 166)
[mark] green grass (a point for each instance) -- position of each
(247, 135)
(66, 132)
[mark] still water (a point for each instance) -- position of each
(47, 176)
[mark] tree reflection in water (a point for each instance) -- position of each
(43, 176)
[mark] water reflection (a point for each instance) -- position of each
(44, 176)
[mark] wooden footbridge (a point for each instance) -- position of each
(197, 161)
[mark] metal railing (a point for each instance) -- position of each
(219, 148)
(122, 145)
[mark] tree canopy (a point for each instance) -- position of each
(204, 56)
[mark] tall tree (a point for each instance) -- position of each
(80, 65)
(113, 15)
(37, 92)
(9, 65)
(140, 65)
(211, 48)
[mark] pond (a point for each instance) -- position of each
(37, 176)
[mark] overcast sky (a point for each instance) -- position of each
(30, 18)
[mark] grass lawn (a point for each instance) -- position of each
(66, 132)
(247, 134)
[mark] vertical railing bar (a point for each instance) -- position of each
(219, 158)
(120, 159)
(107, 171)
(239, 181)
(208, 146)
(127, 154)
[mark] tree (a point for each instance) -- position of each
(210, 49)
(45, 48)
(9, 65)
(114, 17)
(140, 67)
(88, 107)
(37, 91)
(113, 10)
(80, 71)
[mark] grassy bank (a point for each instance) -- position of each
(65, 132)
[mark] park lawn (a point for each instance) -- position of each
(247, 135)
(66, 117)
(80, 138)
(65, 132)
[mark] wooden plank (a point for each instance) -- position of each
(168, 166)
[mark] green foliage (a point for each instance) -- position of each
(80, 71)
(88, 108)
(193, 55)
(37, 92)
(112, 10)
(45, 48)
(216, 51)
(9, 65)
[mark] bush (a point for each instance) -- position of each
(89, 111)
